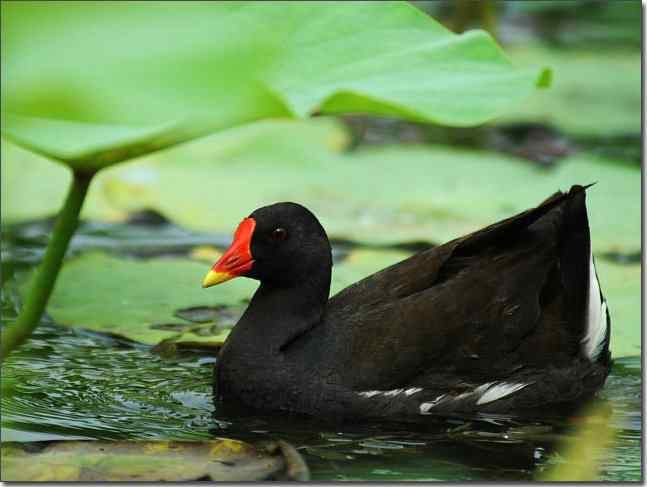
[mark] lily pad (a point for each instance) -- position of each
(387, 195)
(117, 87)
(361, 263)
(138, 299)
(606, 104)
(33, 187)
(147, 300)
(153, 301)
(622, 289)
(92, 461)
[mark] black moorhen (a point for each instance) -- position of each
(508, 319)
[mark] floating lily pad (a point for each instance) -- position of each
(153, 301)
(361, 263)
(621, 287)
(388, 195)
(380, 195)
(138, 299)
(592, 94)
(198, 314)
(112, 86)
(160, 300)
(92, 461)
(33, 187)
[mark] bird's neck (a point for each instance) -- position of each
(279, 315)
(256, 354)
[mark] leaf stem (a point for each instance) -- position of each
(14, 334)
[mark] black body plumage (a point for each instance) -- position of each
(496, 321)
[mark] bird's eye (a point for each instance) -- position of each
(279, 234)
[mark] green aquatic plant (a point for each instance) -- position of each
(122, 80)
(580, 454)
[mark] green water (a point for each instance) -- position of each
(74, 384)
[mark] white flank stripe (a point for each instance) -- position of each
(426, 406)
(369, 393)
(412, 390)
(499, 390)
(596, 327)
(393, 392)
(602, 333)
(488, 392)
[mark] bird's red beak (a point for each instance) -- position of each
(237, 260)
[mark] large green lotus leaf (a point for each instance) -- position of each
(86, 146)
(92, 461)
(114, 79)
(389, 194)
(140, 299)
(595, 93)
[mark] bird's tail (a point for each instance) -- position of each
(587, 306)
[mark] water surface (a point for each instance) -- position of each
(68, 384)
(74, 384)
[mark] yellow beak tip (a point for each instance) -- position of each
(212, 278)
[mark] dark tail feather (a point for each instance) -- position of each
(578, 269)
(514, 224)
(575, 255)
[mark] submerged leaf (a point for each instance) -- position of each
(92, 461)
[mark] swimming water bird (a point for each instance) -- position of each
(508, 319)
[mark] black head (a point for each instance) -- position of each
(281, 244)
